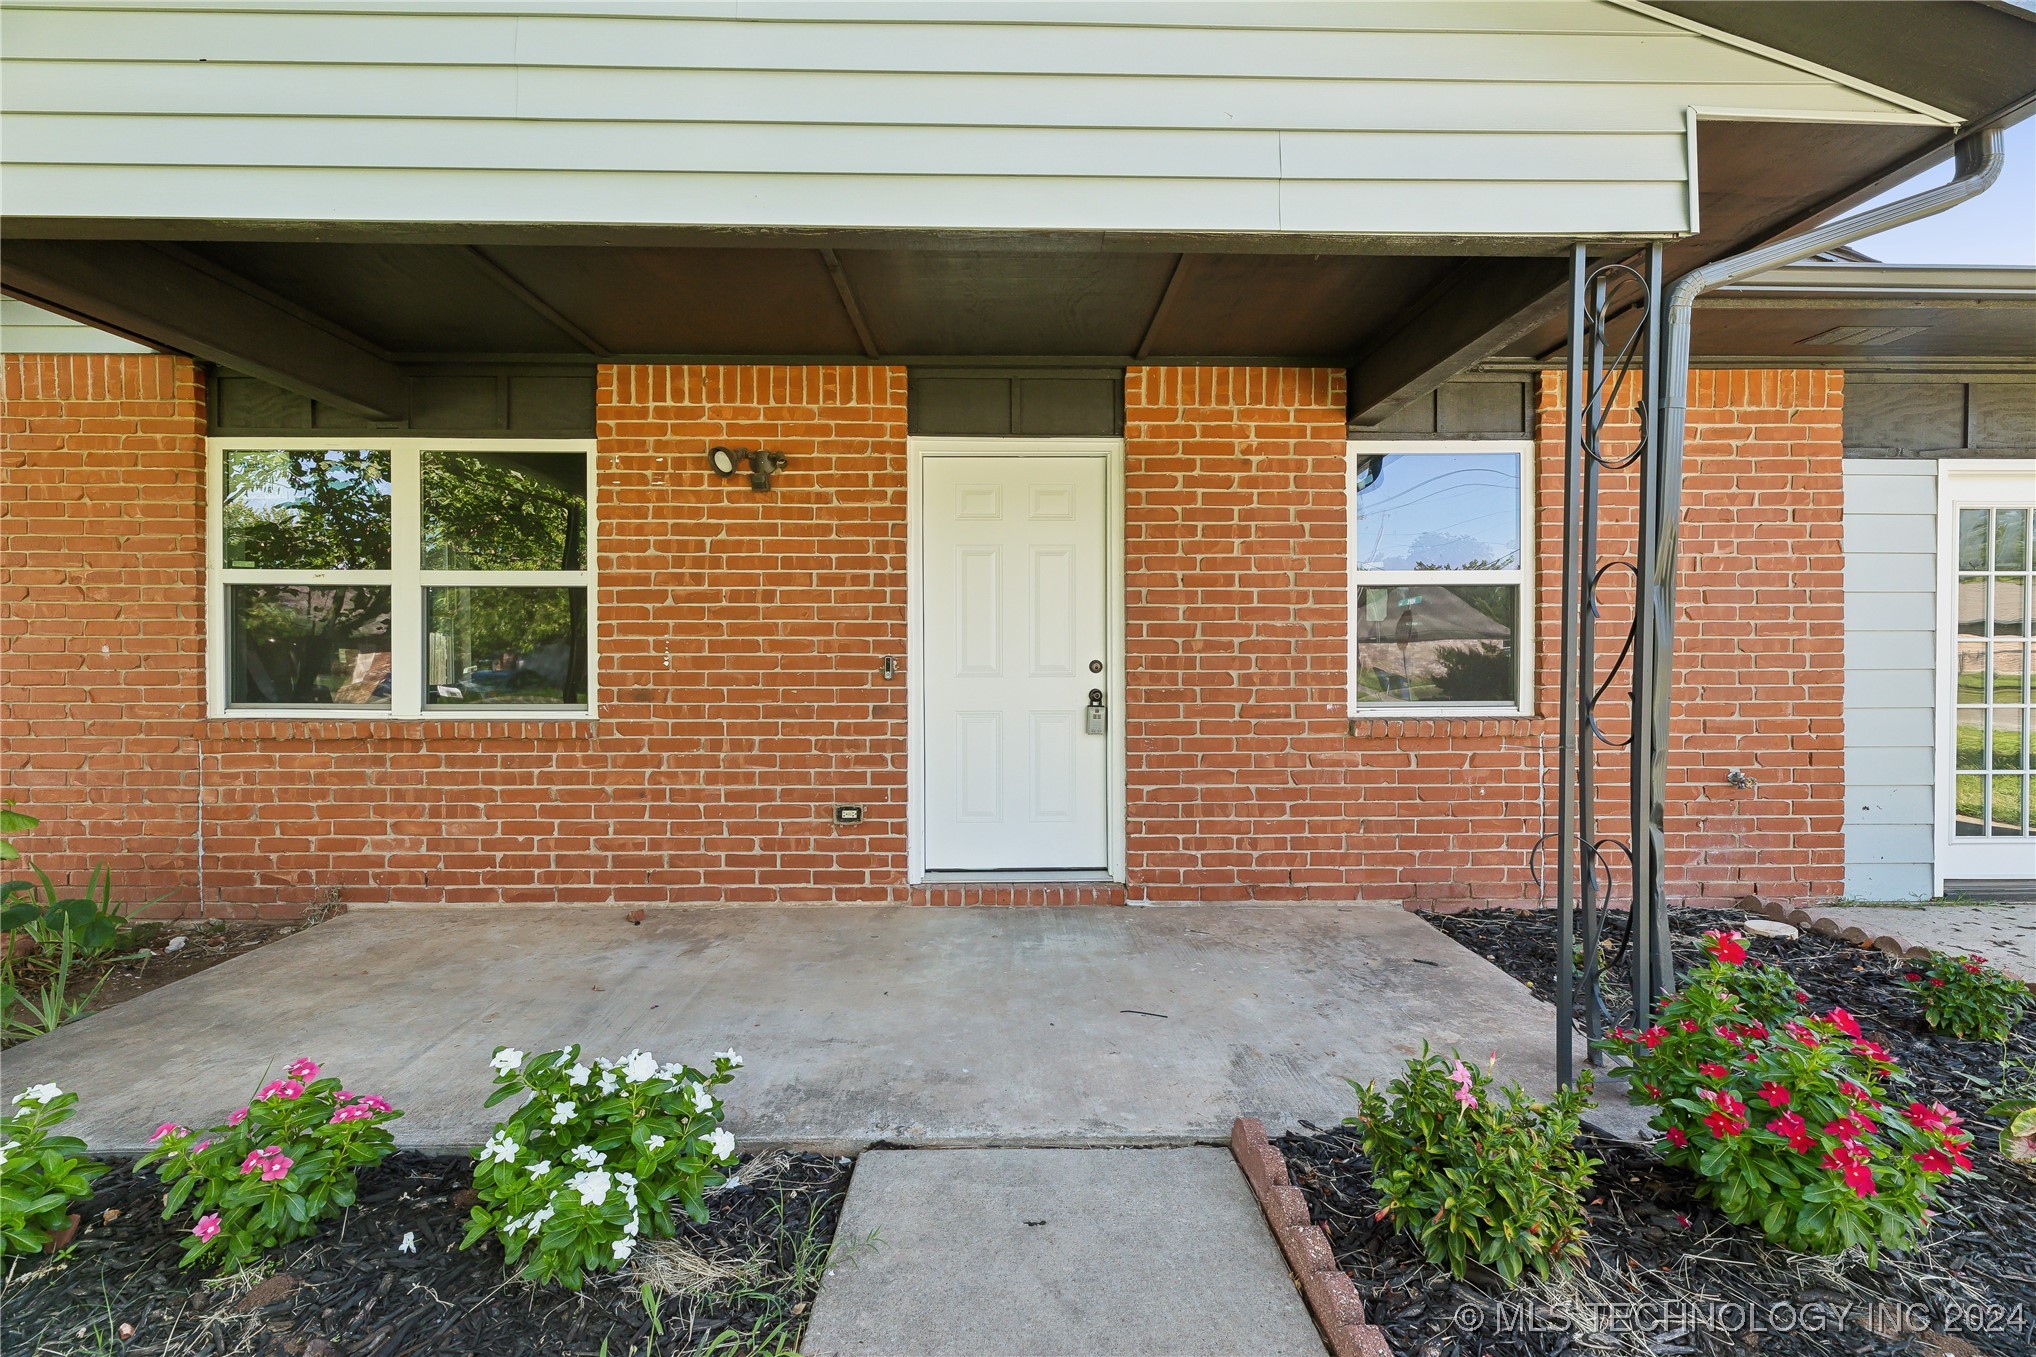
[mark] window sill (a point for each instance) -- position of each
(297, 724)
(1448, 721)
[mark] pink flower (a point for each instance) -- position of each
(353, 1112)
(303, 1068)
(1774, 1094)
(1802, 1034)
(1460, 1076)
(269, 1161)
(1677, 1136)
(277, 1167)
(207, 1227)
(280, 1088)
(168, 1128)
(236, 1117)
(369, 1100)
(200, 1147)
(344, 1096)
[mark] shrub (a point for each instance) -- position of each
(41, 1175)
(1780, 1114)
(594, 1156)
(278, 1166)
(1473, 1172)
(1967, 998)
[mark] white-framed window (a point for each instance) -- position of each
(1441, 576)
(401, 577)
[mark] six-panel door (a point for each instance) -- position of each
(1015, 587)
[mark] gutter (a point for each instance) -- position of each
(1979, 159)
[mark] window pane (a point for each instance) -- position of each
(2010, 743)
(1972, 671)
(504, 510)
(1972, 605)
(1437, 511)
(1972, 539)
(2011, 611)
(2007, 804)
(2011, 539)
(2010, 662)
(311, 509)
(1972, 737)
(505, 645)
(1971, 793)
(1429, 643)
(298, 643)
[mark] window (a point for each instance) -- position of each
(1440, 576)
(402, 577)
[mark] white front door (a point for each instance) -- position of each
(1013, 637)
(1987, 726)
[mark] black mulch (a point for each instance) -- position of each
(1665, 1273)
(351, 1291)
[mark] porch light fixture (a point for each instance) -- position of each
(762, 465)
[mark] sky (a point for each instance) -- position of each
(1998, 227)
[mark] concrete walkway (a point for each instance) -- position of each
(2004, 934)
(1063, 1026)
(1056, 1253)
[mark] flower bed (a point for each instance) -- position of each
(389, 1276)
(1658, 1260)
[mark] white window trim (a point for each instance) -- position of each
(406, 580)
(1965, 483)
(1522, 576)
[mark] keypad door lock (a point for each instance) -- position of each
(1095, 720)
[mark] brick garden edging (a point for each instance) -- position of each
(1334, 1302)
(1810, 921)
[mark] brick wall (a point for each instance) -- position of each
(740, 635)
(102, 650)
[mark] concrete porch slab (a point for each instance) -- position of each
(1056, 1253)
(2004, 934)
(923, 1026)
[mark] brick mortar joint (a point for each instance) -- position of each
(1332, 1300)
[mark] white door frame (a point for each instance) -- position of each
(1961, 482)
(1111, 450)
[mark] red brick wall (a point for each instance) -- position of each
(740, 636)
(102, 650)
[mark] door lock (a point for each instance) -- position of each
(1095, 719)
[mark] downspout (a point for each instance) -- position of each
(1979, 158)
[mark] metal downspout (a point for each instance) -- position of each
(1979, 158)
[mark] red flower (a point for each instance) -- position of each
(1711, 1070)
(1933, 1161)
(1939, 983)
(1619, 1034)
(1802, 1034)
(1873, 1051)
(1911, 976)
(1726, 947)
(1859, 1178)
(1723, 1125)
(1971, 969)
(1802, 998)
(1651, 1038)
(1687, 1025)
(1935, 1117)
(1679, 1138)
(1775, 1094)
(1843, 1021)
(1791, 1127)
(1847, 1129)
(1758, 1031)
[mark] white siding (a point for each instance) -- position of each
(1388, 117)
(1890, 678)
(30, 329)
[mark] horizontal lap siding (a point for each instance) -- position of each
(1890, 678)
(1565, 117)
(741, 637)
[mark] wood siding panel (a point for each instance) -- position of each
(1562, 118)
(1890, 676)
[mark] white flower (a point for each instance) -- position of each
(38, 1094)
(513, 1226)
(409, 1244)
(703, 1101)
(506, 1059)
(540, 1168)
(501, 1149)
(607, 1084)
(638, 1066)
(577, 1075)
(538, 1218)
(653, 1142)
(671, 1070)
(562, 1111)
(628, 1180)
(734, 1060)
(632, 1227)
(721, 1143)
(592, 1185)
(733, 1181)
(588, 1155)
(623, 1248)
